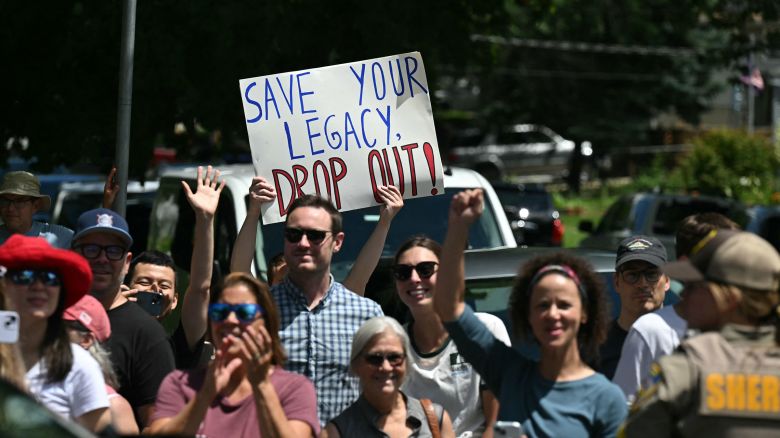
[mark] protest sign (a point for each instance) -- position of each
(340, 131)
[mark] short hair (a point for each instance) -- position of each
(373, 327)
(263, 296)
(419, 240)
(151, 257)
(318, 201)
(692, 229)
(593, 332)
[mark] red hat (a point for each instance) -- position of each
(23, 252)
(91, 314)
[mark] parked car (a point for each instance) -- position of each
(77, 197)
(531, 213)
(654, 214)
(490, 276)
(521, 150)
(52, 183)
(764, 220)
(172, 220)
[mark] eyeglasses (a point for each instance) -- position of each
(92, 251)
(245, 313)
(377, 359)
(424, 270)
(632, 277)
(294, 235)
(16, 202)
(27, 277)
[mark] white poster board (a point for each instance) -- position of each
(340, 131)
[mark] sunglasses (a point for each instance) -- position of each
(294, 235)
(424, 270)
(92, 251)
(377, 359)
(28, 276)
(632, 277)
(245, 313)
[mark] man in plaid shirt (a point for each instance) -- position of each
(319, 316)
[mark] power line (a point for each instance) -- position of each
(579, 46)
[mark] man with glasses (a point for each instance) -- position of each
(138, 344)
(641, 286)
(319, 315)
(20, 199)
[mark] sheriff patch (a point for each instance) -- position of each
(740, 394)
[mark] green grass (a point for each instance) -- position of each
(588, 206)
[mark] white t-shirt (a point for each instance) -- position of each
(83, 389)
(653, 335)
(447, 379)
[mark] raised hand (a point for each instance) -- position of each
(466, 207)
(261, 191)
(392, 200)
(219, 373)
(110, 189)
(207, 191)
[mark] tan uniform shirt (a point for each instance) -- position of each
(723, 384)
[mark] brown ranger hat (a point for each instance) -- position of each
(23, 183)
(732, 257)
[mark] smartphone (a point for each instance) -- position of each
(9, 327)
(508, 429)
(152, 302)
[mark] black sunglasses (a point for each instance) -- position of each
(245, 313)
(92, 251)
(377, 359)
(294, 235)
(28, 276)
(632, 277)
(424, 270)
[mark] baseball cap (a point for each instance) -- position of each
(91, 314)
(644, 248)
(25, 252)
(732, 257)
(102, 220)
(23, 183)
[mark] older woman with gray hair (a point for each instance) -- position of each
(379, 358)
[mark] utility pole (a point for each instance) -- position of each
(124, 103)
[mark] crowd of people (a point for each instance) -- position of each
(305, 355)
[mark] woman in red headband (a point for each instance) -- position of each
(557, 302)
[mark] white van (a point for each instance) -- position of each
(172, 220)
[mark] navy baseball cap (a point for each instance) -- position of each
(645, 248)
(103, 220)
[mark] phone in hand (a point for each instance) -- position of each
(9, 327)
(152, 302)
(508, 429)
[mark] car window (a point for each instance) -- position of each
(534, 201)
(670, 212)
(358, 225)
(617, 217)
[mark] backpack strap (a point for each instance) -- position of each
(430, 413)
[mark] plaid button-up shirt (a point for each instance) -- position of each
(318, 341)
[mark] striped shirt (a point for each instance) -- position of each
(318, 341)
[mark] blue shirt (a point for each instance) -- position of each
(57, 235)
(318, 341)
(588, 407)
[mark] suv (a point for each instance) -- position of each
(654, 214)
(172, 220)
(522, 150)
(531, 213)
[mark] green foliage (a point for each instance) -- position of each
(733, 164)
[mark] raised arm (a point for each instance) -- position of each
(204, 203)
(465, 208)
(372, 250)
(260, 192)
(110, 189)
